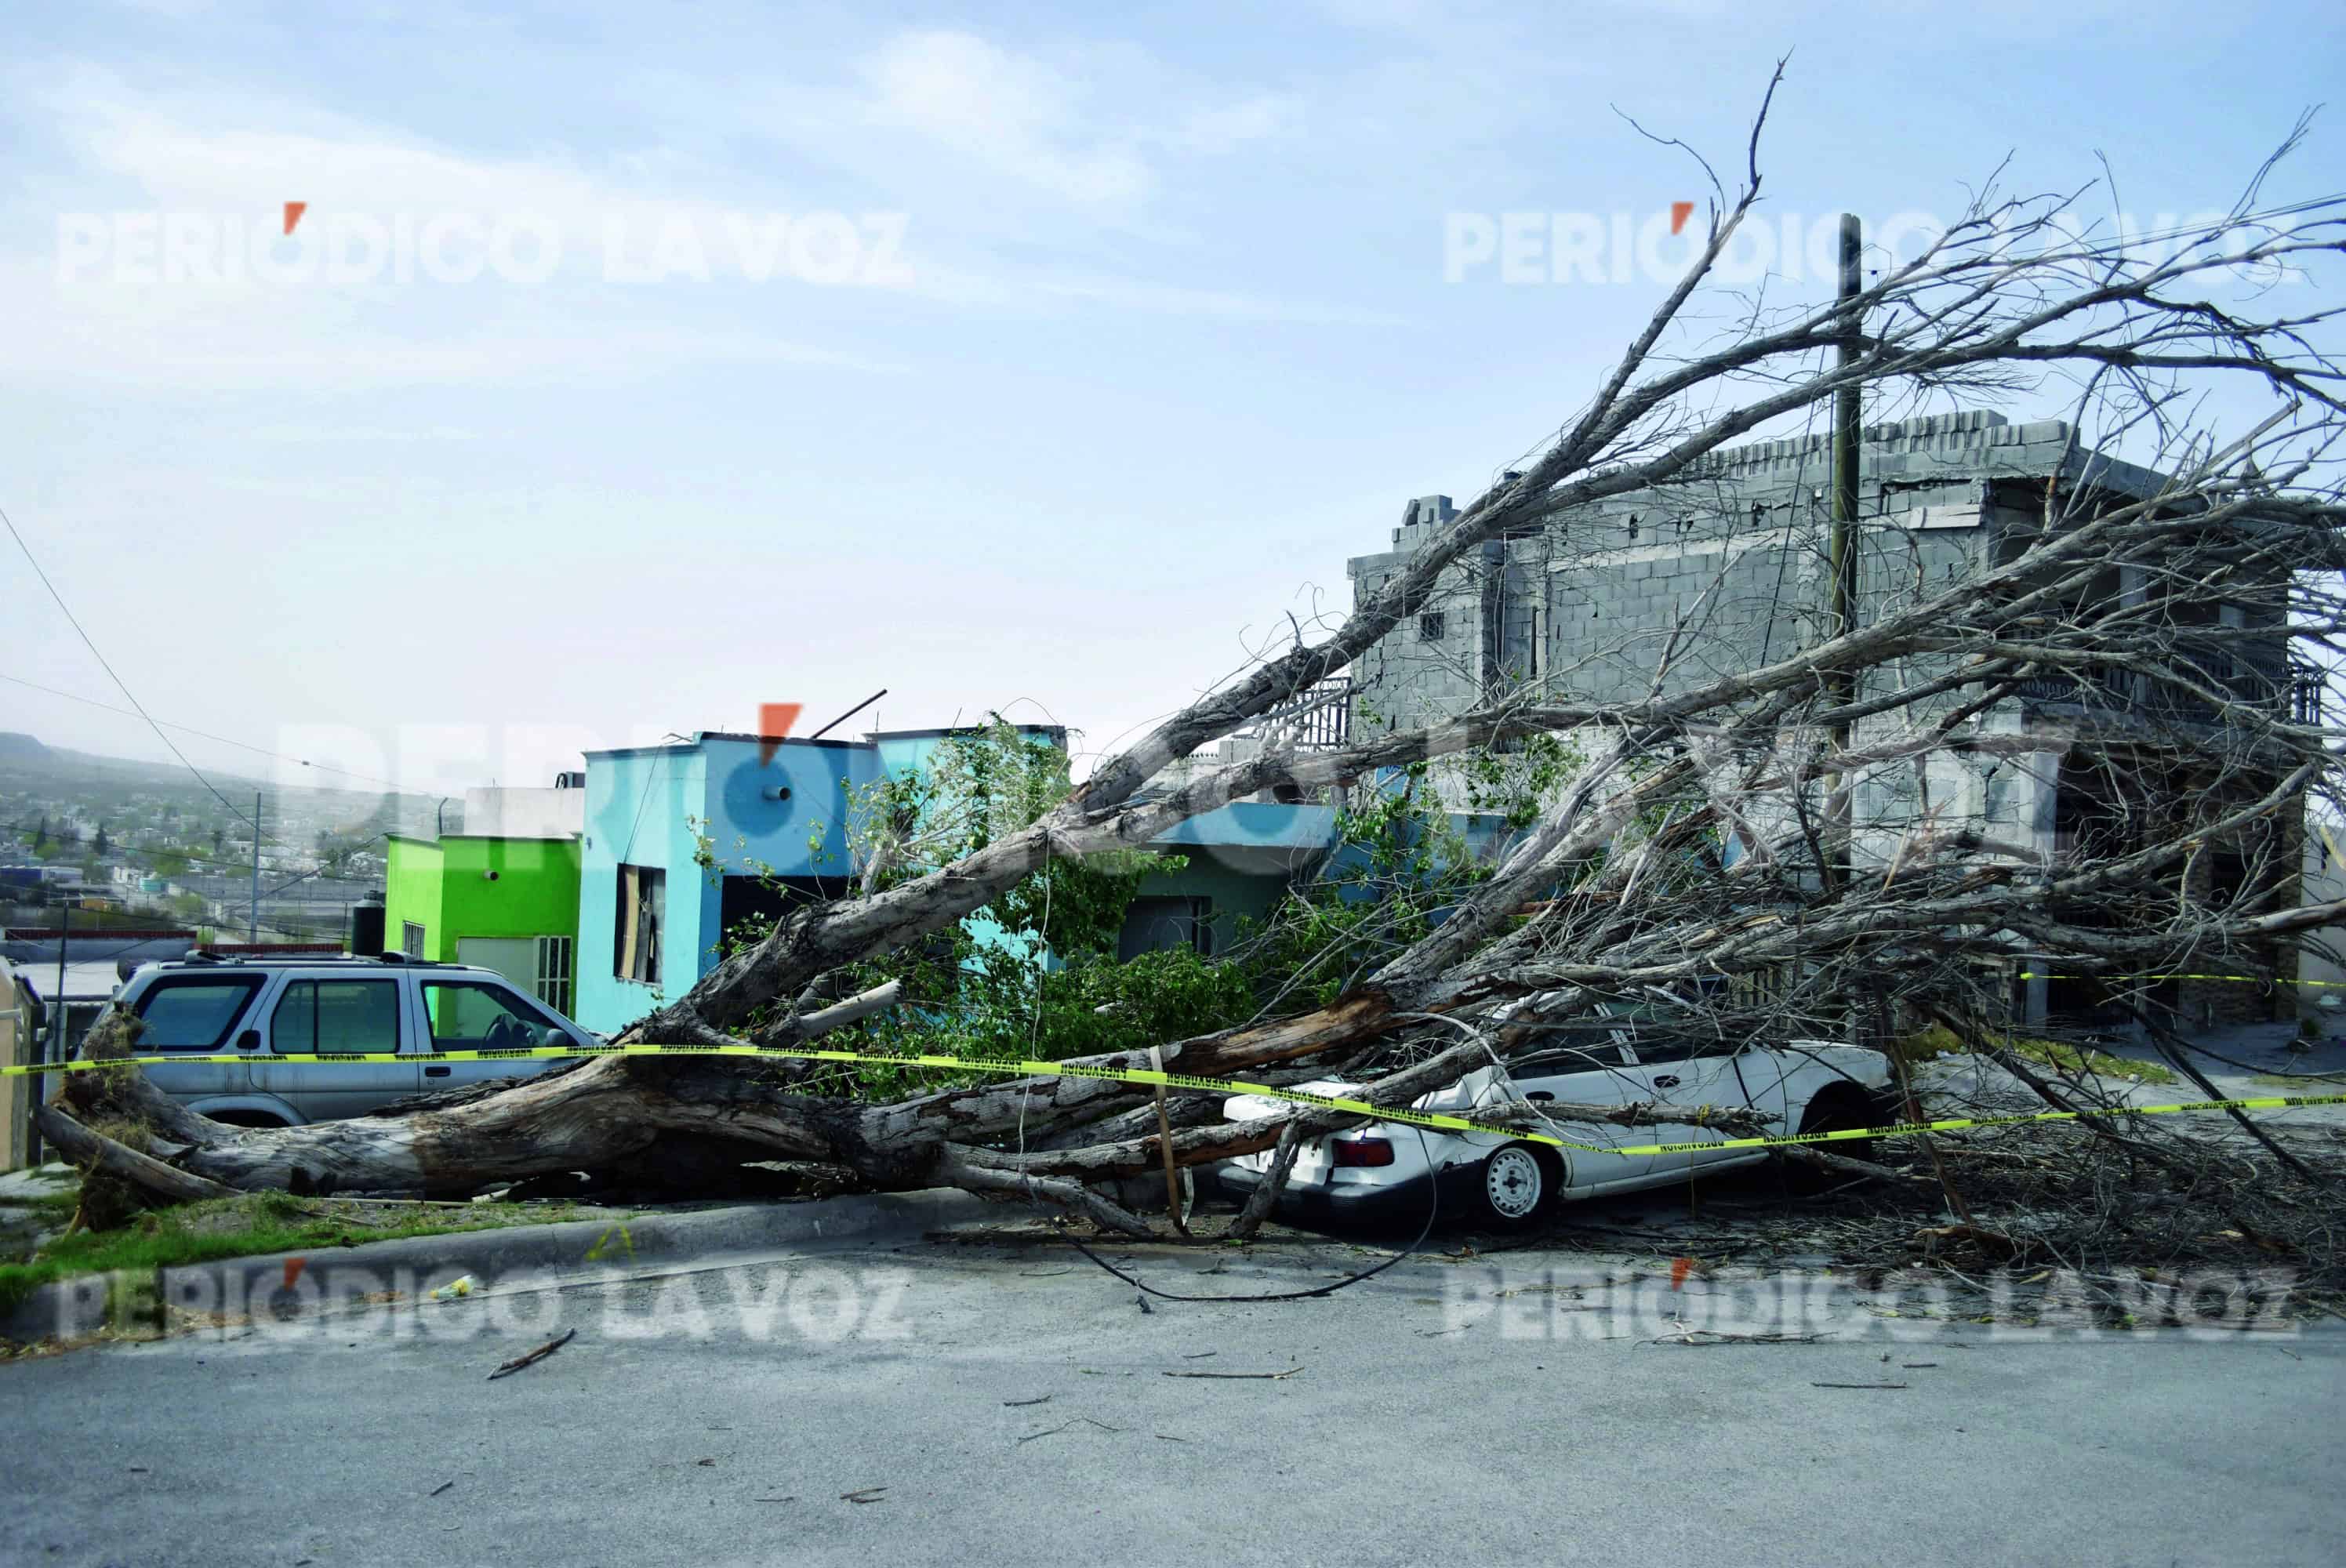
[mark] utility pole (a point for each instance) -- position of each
(57, 1042)
(1840, 689)
(56, 1048)
(253, 931)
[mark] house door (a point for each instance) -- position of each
(515, 957)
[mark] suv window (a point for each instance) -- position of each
(473, 1015)
(330, 1015)
(194, 1013)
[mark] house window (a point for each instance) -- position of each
(411, 938)
(641, 916)
(554, 961)
(1158, 924)
(1430, 627)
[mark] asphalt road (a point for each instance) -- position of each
(1010, 1405)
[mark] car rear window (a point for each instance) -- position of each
(336, 1015)
(197, 1013)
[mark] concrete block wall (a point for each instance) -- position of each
(1737, 543)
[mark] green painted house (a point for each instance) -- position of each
(506, 903)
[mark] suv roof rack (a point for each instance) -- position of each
(301, 959)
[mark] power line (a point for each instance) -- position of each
(119, 685)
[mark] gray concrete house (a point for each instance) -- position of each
(1727, 568)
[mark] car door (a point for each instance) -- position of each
(314, 1016)
(197, 1014)
(481, 1013)
(1695, 1072)
(1592, 1068)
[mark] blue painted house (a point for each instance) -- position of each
(683, 842)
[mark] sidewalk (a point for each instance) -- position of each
(289, 1283)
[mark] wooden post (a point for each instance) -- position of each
(1842, 688)
(1165, 1146)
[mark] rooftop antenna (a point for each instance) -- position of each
(850, 713)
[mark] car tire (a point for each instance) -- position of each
(1839, 1109)
(1515, 1187)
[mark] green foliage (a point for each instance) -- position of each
(1520, 781)
(1035, 974)
(1399, 863)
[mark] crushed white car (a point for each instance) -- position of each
(1387, 1169)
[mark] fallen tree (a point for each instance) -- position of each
(1707, 856)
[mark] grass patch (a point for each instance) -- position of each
(60, 1204)
(250, 1223)
(1941, 1041)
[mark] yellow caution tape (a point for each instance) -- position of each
(1915, 1129)
(1434, 1120)
(2235, 979)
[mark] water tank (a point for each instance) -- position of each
(366, 929)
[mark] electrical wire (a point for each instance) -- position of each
(1433, 1211)
(205, 734)
(119, 685)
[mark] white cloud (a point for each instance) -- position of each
(87, 316)
(1009, 113)
(1227, 128)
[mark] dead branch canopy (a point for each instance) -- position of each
(1842, 832)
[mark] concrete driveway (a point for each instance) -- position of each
(1000, 1404)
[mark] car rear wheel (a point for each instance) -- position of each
(1836, 1110)
(1516, 1188)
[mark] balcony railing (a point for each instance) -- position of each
(1320, 716)
(2275, 686)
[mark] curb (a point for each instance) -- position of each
(286, 1282)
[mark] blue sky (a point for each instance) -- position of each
(1167, 335)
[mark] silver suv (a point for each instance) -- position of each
(272, 1013)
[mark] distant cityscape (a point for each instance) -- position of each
(103, 842)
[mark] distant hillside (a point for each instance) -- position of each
(29, 756)
(35, 776)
